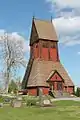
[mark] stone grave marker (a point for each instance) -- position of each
(17, 102)
(44, 101)
(1, 105)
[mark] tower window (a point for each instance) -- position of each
(53, 45)
(45, 45)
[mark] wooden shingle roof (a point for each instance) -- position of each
(42, 29)
(41, 71)
(45, 30)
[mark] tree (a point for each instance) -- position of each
(12, 54)
(12, 87)
(77, 93)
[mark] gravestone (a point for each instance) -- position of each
(17, 102)
(44, 101)
(1, 105)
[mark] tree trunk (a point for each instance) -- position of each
(7, 80)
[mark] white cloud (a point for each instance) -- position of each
(66, 3)
(14, 36)
(67, 21)
(27, 48)
(67, 25)
(70, 7)
(68, 30)
(2, 32)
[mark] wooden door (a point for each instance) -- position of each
(59, 86)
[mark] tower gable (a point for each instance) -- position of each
(55, 76)
(45, 30)
(42, 30)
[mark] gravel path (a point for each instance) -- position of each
(57, 99)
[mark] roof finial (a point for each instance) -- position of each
(51, 18)
(33, 16)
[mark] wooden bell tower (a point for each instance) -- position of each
(44, 61)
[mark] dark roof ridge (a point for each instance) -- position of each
(42, 20)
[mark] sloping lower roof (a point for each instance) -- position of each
(45, 30)
(41, 71)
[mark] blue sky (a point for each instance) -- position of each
(16, 16)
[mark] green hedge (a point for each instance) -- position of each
(5, 99)
(31, 101)
(1, 99)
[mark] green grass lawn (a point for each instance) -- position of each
(61, 110)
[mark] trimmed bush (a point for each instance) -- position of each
(5, 99)
(31, 101)
(1, 99)
(24, 99)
